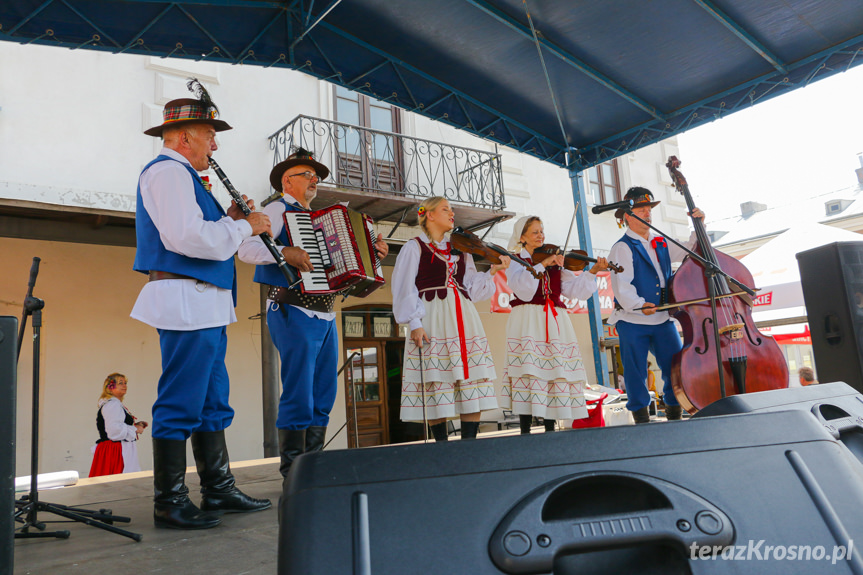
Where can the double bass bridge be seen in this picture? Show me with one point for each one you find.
(733, 331)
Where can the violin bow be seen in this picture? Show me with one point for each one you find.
(569, 233)
(682, 303)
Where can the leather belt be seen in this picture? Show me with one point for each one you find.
(156, 276)
(282, 295)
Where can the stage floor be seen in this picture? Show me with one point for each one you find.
(242, 544)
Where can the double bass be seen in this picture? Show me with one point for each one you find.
(750, 361)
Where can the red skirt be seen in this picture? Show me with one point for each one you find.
(108, 459)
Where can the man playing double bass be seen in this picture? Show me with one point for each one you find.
(646, 259)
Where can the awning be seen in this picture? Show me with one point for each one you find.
(575, 83)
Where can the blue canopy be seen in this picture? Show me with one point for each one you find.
(572, 82)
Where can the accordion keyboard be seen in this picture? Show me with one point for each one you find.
(304, 235)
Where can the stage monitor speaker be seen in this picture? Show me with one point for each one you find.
(837, 407)
(8, 372)
(659, 498)
(832, 281)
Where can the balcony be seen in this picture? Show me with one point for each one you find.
(386, 175)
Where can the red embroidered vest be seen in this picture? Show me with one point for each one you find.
(432, 274)
(554, 286)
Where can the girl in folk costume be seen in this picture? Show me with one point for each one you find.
(545, 374)
(116, 450)
(447, 352)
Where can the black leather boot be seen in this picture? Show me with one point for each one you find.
(469, 429)
(292, 444)
(439, 431)
(550, 425)
(673, 412)
(219, 490)
(315, 438)
(641, 415)
(171, 504)
(524, 422)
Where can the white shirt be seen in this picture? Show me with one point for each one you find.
(572, 286)
(253, 251)
(621, 284)
(407, 305)
(114, 415)
(167, 191)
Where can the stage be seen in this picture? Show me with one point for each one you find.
(242, 544)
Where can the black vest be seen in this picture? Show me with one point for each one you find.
(100, 424)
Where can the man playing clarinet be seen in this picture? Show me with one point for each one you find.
(186, 245)
(302, 326)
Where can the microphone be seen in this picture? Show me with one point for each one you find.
(34, 271)
(615, 206)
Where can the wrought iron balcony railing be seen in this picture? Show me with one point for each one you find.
(388, 163)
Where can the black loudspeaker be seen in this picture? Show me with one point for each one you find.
(832, 280)
(8, 371)
(658, 498)
(837, 407)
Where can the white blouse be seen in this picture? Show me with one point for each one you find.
(573, 286)
(407, 305)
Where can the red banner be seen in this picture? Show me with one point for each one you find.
(502, 295)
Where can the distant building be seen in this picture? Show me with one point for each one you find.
(758, 224)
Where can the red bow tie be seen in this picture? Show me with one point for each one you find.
(658, 242)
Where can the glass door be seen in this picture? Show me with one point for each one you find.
(367, 160)
(366, 395)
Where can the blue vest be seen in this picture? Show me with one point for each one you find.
(645, 279)
(151, 253)
(270, 274)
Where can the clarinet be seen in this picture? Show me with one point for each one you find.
(286, 270)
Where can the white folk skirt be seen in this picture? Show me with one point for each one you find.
(543, 378)
(447, 392)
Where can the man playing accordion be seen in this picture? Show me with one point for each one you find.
(302, 325)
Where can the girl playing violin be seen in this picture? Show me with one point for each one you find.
(545, 374)
(447, 352)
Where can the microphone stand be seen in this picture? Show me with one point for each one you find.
(711, 270)
(27, 508)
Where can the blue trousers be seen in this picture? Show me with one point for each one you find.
(193, 389)
(635, 341)
(309, 350)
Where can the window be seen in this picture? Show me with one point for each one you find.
(604, 182)
(364, 374)
(368, 160)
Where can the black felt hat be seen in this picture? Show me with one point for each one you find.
(299, 157)
(639, 197)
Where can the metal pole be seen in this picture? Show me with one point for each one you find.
(270, 383)
(8, 373)
(593, 310)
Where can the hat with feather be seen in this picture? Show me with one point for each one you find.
(190, 110)
(640, 197)
(299, 157)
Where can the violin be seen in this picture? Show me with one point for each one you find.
(574, 260)
(468, 242)
(749, 360)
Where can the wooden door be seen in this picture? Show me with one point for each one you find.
(367, 394)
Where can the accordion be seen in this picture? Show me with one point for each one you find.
(340, 243)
